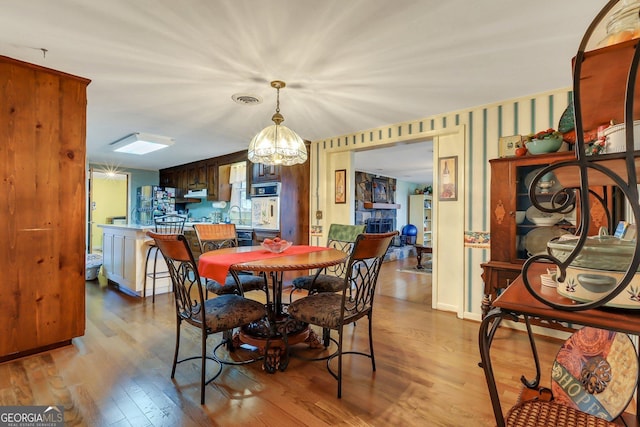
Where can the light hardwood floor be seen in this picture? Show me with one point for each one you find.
(117, 374)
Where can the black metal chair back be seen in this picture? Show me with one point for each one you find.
(170, 224)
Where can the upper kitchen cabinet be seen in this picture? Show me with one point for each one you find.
(203, 174)
(197, 176)
(212, 179)
(224, 186)
(265, 173)
(168, 178)
(43, 157)
(182, 179)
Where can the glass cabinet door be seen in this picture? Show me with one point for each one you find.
(534, 227)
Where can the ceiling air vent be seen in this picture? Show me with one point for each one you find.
(246, 99)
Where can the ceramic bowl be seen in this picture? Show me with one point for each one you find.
(277, 247)
(547, 145)
(599, 252)
(520, 217)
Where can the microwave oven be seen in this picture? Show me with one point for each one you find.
(267, 189)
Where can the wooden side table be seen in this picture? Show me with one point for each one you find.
(421, 249)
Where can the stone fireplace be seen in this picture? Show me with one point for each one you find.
(375, 202)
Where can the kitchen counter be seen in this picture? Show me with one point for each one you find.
(145, 228)
(137, 227)
(124, 253)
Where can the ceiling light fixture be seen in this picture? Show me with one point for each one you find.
(141, 143)
(277, 144)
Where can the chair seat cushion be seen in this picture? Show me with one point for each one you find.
(535, 413)
(231, 311)
(249, 283)
(324, 283)
(320, 309)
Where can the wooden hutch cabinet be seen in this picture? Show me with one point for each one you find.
(513, 235)
(43, 157)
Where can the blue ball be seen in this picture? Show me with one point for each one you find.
(409, 230)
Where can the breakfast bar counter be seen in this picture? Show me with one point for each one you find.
(123, 257)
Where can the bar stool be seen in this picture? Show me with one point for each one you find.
(167, 224)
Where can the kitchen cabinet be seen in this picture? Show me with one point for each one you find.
(266, 173)
(168, 178)
(420, 216)
(43, 157)
(197, 176)
(514, 235)
(118, 258)
(182, 179)
(264, 234)
(224, 187)
(212, 180)
(124, 254)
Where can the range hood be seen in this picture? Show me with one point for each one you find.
(198, 194)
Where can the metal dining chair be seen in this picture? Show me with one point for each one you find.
(335, 310)
(167, 224)
(330, 279)
(217, 236)
(220, 314)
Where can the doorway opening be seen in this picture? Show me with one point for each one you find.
(108, 204)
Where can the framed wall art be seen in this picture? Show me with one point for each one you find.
(380, 191)
(341, 186)
(448, 178)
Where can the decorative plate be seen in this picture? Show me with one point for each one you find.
(539, 217)
(595, 371)
(535, 241)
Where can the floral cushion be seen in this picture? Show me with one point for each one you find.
(324, 283)
(230, 311)
(249, 283)
(320, 309)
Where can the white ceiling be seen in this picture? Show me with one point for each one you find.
(170, 67)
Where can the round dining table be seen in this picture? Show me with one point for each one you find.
(277, 331)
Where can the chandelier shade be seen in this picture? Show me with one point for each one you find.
(277, 144)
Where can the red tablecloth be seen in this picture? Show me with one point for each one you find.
(216, 266)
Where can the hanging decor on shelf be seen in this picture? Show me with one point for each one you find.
(277, 144)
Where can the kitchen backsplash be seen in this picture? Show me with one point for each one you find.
(205, 209)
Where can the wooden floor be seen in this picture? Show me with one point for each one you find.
(117, 374)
